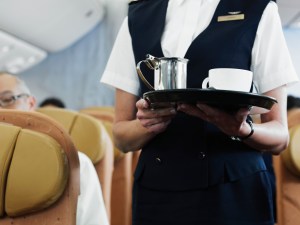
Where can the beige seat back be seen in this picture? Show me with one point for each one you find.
(291, 156)
(293, 117)
(106, 115)
(287, 170)
(122, 175)
(39, 170)
(88, 134)
(90, 137)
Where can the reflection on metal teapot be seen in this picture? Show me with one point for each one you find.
(169, 72)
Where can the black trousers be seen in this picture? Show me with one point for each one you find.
(247, 201)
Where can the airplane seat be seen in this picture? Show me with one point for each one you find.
(106, 115)
(121, 197)
(293, 116)
(39, 168)
(86, 132)
(287, 170)
(90, 137)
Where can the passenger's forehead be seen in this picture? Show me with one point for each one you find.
(7, 83)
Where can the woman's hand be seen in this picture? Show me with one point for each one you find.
(232, 124)
(136, 123)
(155, 120)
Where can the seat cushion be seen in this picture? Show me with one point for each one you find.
(37, 175)
(89, 136)
(291, 156)
(8, 137)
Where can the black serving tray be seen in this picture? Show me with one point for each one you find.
(227, 100)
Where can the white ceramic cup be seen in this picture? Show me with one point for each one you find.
(228, 79)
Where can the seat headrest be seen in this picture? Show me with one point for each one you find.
(109, 109)
(293, 116)
(102, 113)
(88, 134)
(291, 156)
(106, 115)
(34, 170)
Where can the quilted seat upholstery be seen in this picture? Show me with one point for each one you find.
(39, 168)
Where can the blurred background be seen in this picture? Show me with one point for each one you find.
(60, 47)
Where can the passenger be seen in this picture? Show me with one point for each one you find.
(293, 102)
(200, 164)
(14, 94)
(52, 102)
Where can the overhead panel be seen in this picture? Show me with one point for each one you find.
(49, 24)
(32, 28)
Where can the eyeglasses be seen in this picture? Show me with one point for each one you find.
(8, 99)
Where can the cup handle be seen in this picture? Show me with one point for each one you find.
(205, 83)
(141, 75)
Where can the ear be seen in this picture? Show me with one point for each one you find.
(32, 102)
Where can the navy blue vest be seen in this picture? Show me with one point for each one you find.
(192, 153)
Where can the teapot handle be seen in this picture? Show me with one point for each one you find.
(141, 75)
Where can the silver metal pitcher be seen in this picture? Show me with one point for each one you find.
(169, 72)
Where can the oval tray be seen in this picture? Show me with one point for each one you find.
(228, 100)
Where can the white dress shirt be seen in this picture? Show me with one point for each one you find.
(90, 207)
(185, 20)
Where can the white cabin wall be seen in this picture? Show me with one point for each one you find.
(74, 73)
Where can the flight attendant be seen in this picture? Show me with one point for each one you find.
(190, 170)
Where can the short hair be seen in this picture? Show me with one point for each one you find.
(52, 101)
(293, 102)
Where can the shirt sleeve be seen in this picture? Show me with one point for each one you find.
(120, 71)
(271, 62)
(90, 208)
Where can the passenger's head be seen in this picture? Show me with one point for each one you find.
(52, 102)
(14, 93)
(293, 102)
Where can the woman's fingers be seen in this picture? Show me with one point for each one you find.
(155, 119)
(230, 123)
(158, 127)
(192, 110)
(142, 104)
(145, 112)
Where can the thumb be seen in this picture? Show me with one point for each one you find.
(142, 104)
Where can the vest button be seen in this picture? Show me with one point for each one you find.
(158, 161)
(201, 155)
